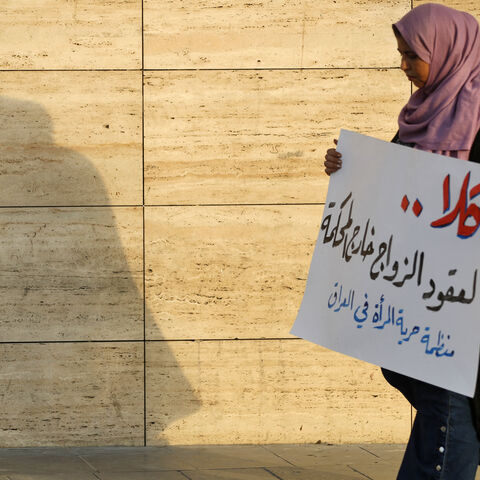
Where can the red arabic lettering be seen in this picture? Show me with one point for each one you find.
(462, 209)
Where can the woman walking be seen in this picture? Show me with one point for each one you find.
(440, 54)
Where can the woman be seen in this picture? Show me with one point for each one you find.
(440, 54)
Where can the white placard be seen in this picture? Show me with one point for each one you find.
(393, 279)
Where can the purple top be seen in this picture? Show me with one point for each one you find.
(444, 115)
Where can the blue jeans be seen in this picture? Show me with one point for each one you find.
(443, 444)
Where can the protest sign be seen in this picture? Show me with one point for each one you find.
(393, 278)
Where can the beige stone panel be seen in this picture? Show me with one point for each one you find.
(70, 34)
(70, 138)
(71, 394)
(227, 272)
(216, 137)
(470, 6)
(273, 391)
(271, 34)
(71, 274)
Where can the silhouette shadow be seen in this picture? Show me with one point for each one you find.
(71, 299)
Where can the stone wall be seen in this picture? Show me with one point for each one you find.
(161, 192)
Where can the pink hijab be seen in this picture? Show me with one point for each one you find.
(444, 115)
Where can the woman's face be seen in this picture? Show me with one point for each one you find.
(416, 69)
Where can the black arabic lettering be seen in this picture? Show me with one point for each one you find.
(429, 294)
(382, 250)
(449, 295)
(409, 275)
(350, 245)
(368, 249)
(332, 235)
(340, 239)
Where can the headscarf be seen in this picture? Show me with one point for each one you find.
(445, 113)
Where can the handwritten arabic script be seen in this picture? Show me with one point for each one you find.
(462, 210)
(355, 239)
(387, 315)
(393, 278)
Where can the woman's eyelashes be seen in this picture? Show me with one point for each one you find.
(409, 55)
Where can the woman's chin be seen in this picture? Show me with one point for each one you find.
(418, 84)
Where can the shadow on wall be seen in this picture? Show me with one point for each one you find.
(71, 299)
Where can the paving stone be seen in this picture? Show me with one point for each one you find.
(160, 475)
(230, 474)
(54, 476)
(317, 473)
(377, 470)
(17, 463)
(227, 457)
(239, 462)
(142, 459)
(381, 470)
(389, 453)
(309, 455)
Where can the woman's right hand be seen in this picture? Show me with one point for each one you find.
(333, 160)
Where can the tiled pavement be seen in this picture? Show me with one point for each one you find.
(241, 462)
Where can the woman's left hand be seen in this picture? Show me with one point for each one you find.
(333, 160)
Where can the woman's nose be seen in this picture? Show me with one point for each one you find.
(403, 64)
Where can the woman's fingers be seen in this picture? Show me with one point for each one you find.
(333, 160)
(331, 152)
(331, 167)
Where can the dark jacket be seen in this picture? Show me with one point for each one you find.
(474, 152)
(475, 401)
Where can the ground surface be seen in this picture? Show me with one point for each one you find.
(241, 462)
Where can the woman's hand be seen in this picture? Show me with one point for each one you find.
(333, 160)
